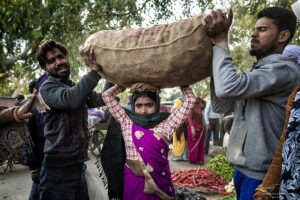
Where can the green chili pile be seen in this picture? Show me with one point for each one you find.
(221, 167)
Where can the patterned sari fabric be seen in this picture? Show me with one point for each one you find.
(290, 183)
(154, 153)
(196, 143)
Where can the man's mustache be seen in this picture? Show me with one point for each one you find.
(254, 41)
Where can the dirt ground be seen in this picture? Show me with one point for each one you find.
(16, 184)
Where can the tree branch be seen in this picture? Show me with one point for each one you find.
(10, 61)
(131, 12)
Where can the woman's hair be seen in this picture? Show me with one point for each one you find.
(182, 129)
(197, 110)
(48, 45)
(151, 95)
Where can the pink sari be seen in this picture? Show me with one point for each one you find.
(154, 152)
(196, 142)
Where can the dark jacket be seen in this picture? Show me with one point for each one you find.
(113, 157)
(35, 127)
(65, 125)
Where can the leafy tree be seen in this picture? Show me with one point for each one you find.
(25, 23)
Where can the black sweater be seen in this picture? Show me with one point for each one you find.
(65, 125)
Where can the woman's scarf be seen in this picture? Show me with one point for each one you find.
(147, 121)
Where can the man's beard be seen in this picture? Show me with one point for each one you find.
(257, 52)
(63, 75)
(263, 52)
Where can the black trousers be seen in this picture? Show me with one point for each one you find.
(214, 126)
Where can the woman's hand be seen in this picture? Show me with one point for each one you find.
(193, 131)
(150, 185)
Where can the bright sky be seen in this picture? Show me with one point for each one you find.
(178, 14)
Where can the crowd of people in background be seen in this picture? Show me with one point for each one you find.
(202, 129)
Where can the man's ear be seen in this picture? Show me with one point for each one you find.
(45, 69)
(284, 35)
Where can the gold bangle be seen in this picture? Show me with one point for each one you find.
(264, 191)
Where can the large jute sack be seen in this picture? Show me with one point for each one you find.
(168, 55)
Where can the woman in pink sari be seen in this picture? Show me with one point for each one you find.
(147, 133)
(196, 133)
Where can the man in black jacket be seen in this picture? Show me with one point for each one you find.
(65, 125)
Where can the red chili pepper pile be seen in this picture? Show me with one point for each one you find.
(201, 178)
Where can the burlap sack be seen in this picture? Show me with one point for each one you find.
(168, 55)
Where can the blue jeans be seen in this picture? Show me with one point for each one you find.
(244, 186)
(34, 193)
(64, 183)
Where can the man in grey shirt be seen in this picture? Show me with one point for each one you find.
(257, 97)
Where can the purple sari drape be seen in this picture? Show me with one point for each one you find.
(154, 152)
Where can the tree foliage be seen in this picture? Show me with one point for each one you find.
(25, 23)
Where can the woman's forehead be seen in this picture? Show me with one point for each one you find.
(144, 100)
